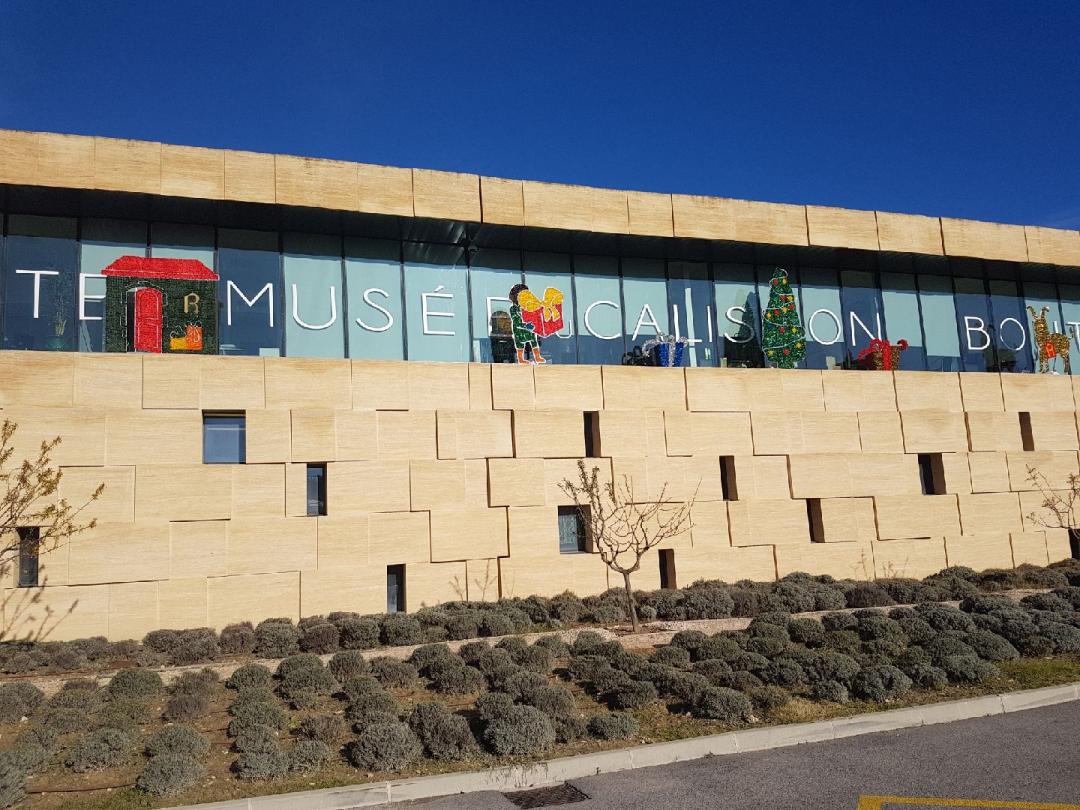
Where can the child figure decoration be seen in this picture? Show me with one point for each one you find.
(532, 318)
(782, 338)
(1050, 344)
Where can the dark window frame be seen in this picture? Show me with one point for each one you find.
(320, 494)
(29, 556)
(209, 451)
(395, 574)
(581, 544)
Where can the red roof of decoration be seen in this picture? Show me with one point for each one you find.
(141, 267)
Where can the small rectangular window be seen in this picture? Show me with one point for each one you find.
(1026, 436)
(728, 488)
(814, 519)
(316, 489)
(667, 569)
(571, 531)
(931, 474)
(395, 588)
(29, 542)
(224, 440)
(592, 434)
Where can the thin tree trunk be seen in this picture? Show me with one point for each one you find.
(630, 602)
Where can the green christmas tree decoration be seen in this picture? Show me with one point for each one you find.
(782, 336)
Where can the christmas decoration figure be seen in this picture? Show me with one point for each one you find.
(782, 336)
(881, 355)
(1050, 344)
(532, 318)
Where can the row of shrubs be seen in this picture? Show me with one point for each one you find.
(278, 638)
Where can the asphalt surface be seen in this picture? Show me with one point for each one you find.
(1031, 756)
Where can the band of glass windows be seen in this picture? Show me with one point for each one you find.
(313, 295)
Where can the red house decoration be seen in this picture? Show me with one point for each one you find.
(160, 306)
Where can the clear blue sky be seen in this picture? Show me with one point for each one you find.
(967, 109)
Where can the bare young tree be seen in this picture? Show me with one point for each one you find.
(28, 491)
(1059, 505)
(622, 528)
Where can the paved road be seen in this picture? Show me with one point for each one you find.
(1031, 756)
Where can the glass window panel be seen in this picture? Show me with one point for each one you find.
(40, 284)
(436, 302)
(1010, 327)
(373, 281)
(939, 323)
(250, 293)
(224, 439)
(103, 242)
(900, 303)
(543, 270)
(738, 312)
(313, 299)
(491, 275)
(1070, 310)
(598, 310)
(861, 301)
(1038, 294)
(977, 351)
(171, 241)
(764, 274)
(29, 547)
(822, 316)
(645, 307)
(316, 489)
(571, 531)
(691, 295)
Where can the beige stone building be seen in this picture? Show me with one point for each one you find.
(351, 479)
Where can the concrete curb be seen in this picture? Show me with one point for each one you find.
(520, 777)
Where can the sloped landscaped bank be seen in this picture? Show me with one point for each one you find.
(308, 725)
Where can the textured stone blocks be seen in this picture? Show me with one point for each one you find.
(980, 551)
(900, 516)
(701, 434)
(990, 513)
(768, 522)
(461, 534)
(474, 434)
(548, 434)
(927, 431)
(913, 558)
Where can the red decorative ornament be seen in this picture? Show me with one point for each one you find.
(881, 355)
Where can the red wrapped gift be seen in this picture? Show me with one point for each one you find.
(545, 315)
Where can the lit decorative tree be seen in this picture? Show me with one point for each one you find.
(782, 336)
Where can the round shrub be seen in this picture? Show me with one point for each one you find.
(537, 658)
(495, 624)
(319, 638)
(13, 775)
(926, 676)
(768, 697)
(316, 680)
(256, 739)
(672, 656)
(566, 608)
(86, 700)
(258, 713)
(423, 657)
(685, 686)
(102, 749)
(839, 621)
(688, 640)
(1045, 601)
(783, 671)
(444, 735)
(1042, 577)
(868, 594)
(1070, 594)
(249, 676)
(348, 664)
(943, 617)
(65, 721)
(521, 730)
(806, 631)
(178, 740)
(472, 651)
(1064, 637)
(1034, 646)
(463, 625)
(606, 678)
(385, 747)
(720, 646)
(123, 713)
(557, 702)
(296, 663)
(515, 647)
(393, 674)
(371, 704)
(184, 708)
(711, 668)
(453, 676)
(169, 774)
(559, 648)
(721, 703)
(237, 639)
(830, 691)
(880, 683)
(829, 665)
(522, 685)
(991, 647)
(968, 669)
(945, 646)
(360, 685)
(399, 629)
(707, 600)
(358, 634)
(493, 705)
(845, 641)
(587, 640)
(631, 695)
(135, 683)
(195, 683)
(307, 756)
(613, 726)
(18, 700)
(255, 767)
(748, 662)
(195, 646)
(326, 728)
(301, 699)
(276, 638)
(246, 696)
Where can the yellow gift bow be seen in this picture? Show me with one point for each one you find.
(552, 298)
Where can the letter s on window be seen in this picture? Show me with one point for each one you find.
(386, 313)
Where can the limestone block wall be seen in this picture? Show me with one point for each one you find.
(453, 471)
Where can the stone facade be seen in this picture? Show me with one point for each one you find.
(452, 471)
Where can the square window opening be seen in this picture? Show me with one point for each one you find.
(572, 537)
(395, 588)
(932, 473)
(224, 438)
(729, 490)
(814, 520)
(667, 569)
(1026, 436)
(29, 544)
(316, 489)
(592, 434)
